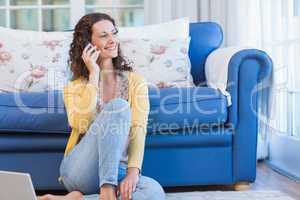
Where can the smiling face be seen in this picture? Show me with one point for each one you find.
(104, 37)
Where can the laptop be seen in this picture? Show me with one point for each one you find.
(16, 186)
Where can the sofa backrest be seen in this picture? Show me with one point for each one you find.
(205, 37)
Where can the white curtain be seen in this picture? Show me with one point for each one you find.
(227, 13)
(269, 25)
(157, 11)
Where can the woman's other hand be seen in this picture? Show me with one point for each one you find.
(128, 184)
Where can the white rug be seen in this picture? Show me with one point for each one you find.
(232, 195)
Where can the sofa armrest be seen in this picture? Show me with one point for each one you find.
(248, 70)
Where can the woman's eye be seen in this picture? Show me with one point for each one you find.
(106, 35)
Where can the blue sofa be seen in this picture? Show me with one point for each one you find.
(203, 148)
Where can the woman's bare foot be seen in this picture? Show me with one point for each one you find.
(74, 195)
(107, 192)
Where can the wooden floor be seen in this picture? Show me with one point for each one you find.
(269, 179)
(266, 179)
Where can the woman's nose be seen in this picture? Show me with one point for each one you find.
(112, 37)
(111, 40)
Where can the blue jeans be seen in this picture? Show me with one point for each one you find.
(95, 160)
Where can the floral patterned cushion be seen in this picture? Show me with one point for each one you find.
(33, 61)
(163, 62)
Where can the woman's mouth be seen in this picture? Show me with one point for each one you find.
(111, 48)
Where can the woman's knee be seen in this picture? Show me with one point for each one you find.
(151, 188)
(116, 104)
(118, 110)
(115, 108)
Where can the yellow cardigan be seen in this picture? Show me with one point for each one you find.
(80, 98)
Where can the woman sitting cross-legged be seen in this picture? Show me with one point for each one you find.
(107, 106)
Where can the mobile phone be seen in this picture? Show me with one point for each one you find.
(87, 43)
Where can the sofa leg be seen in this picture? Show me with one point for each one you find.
(241, 186)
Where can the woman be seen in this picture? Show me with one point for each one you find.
(107, 106)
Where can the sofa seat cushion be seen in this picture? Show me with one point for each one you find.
(178, 108)
(170, 109)
(39, 112)
(211, 137)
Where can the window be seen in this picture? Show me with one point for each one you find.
(42, 15)
(295, 94)
(125, 12)
(297, 8)
(61, 15)
(285, 50)
(296, 114)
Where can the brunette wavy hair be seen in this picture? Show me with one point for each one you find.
(81, 37)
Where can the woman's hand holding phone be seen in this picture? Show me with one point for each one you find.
(90, 56)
